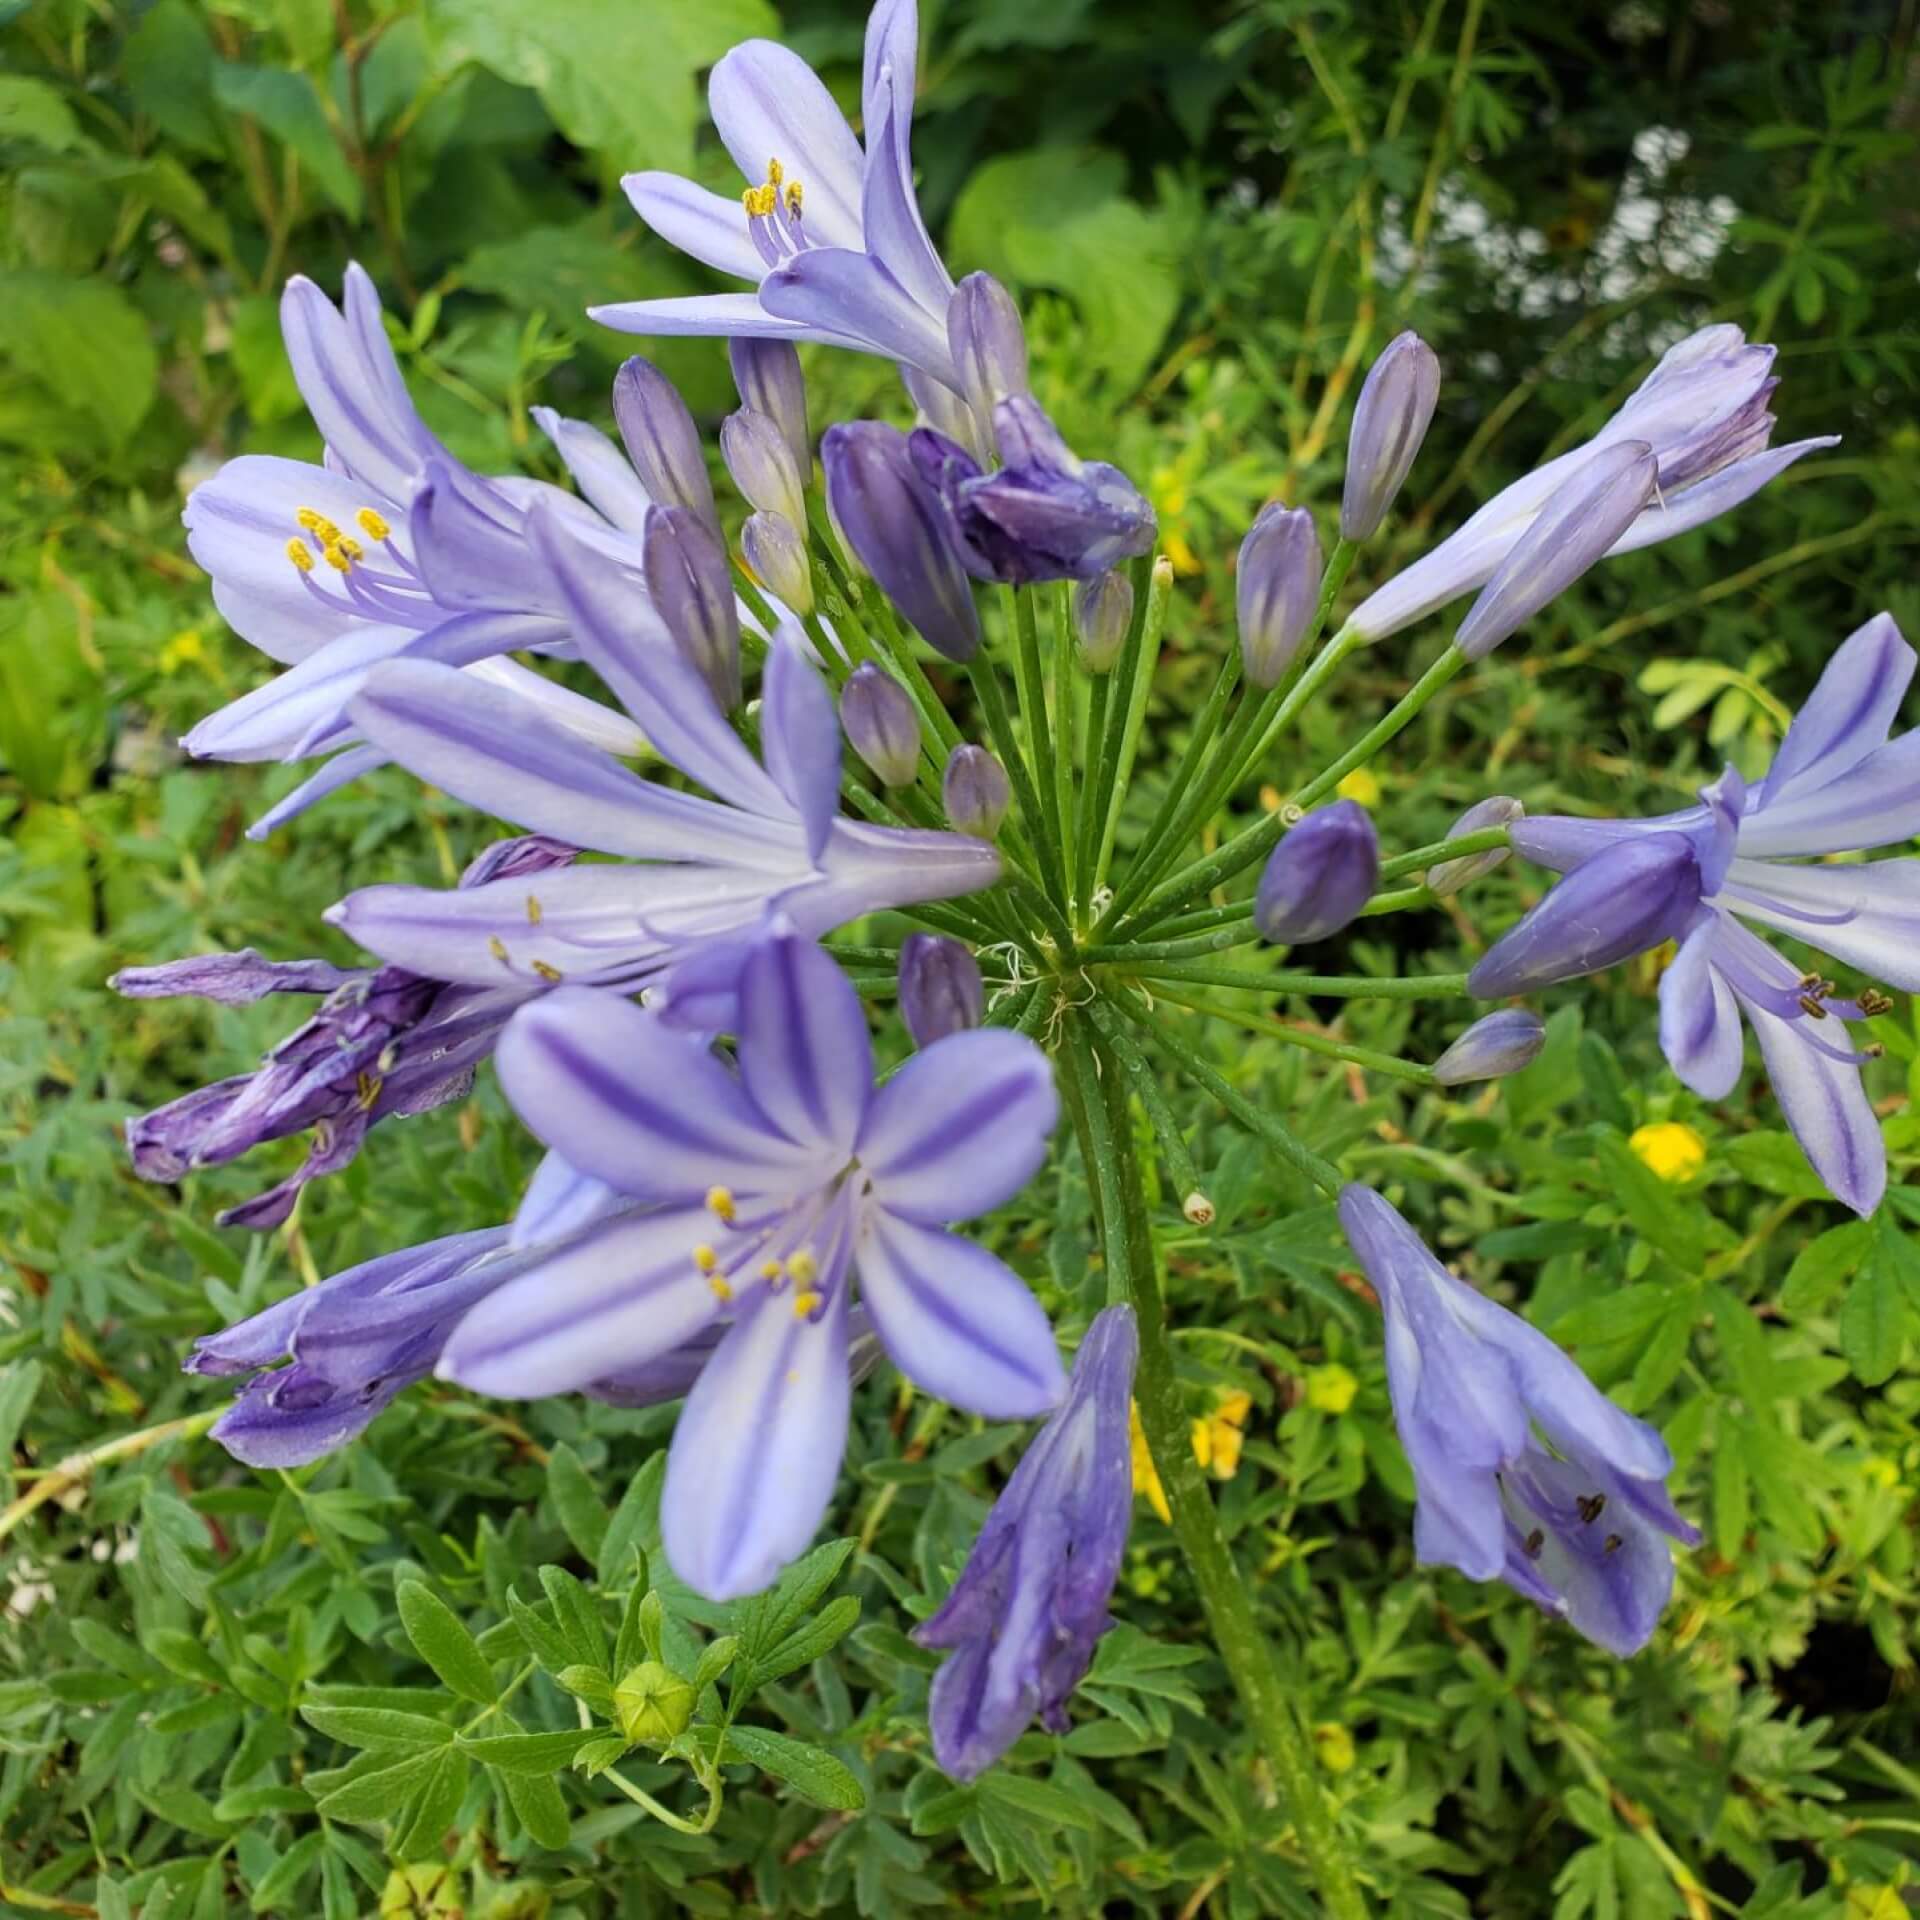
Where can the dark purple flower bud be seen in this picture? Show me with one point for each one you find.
(976, 791)
(881, 725)
(1627, 899)
(778, 557)
(767, 374)
(1583, 518)
(763, 466)
(1319, 877)
(231, 979)
(940, 987)
(510, 859)
(1501, 1043)
(691, 588)
(1277, 590)
(1102, 614)
(1451, 876)
(903, 536)
(661, 440)
(988, 343)
(1390, 420)
(1031, 1603)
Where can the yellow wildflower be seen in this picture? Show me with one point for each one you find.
(1146, 1477)
(1330, 1389)
(1674, 1152)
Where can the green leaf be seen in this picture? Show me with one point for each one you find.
(528, 1752)
(1873, 1320)
(443, 1642)
(434, 1811)
(288, 106)
(1050, 1805)
(812, 1773)
(576, 1616)
(33, 112)
(542, 1810)
(377, 1727)
(768, 1618)
(544, 1640)
(804, 1646)
(1775, 1163)
(279, 1881)
(583, 1514)
(372, 1792)
(85, 342)
(618, 76)
(1821, 1267)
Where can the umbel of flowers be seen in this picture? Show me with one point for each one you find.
(741, 1206)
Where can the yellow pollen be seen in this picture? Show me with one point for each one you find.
(705, 1258)
(804, 1267)
(338, 558)
(775, 173)
(372, 525)
(498, 948)
(369, 1091)
(307, 518)
(772, 1270)
(301, 555)
(548, 972)
(319, 526)
(721, 1291)
(720, 1203)
(804, 1304)
(533, 911)
(351, 547)
(793, 196)
(760, 201)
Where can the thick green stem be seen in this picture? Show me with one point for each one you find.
(1100, 1106)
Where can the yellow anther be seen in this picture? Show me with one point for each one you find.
(793, 196)
(351, 547)
(338, 558)
(372, 525)
(498, 948)
(309, 519)
(705, 1258)
(533, 911)
(805, 1303)
(301, 555)
(720, 1203)
(548, 972)
(721, 1291)
(318, 525)
(772, 1270)
(369, 1091)
(760, 201)
(775, 173)
(804, 1267)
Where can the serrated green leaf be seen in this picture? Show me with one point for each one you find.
(812, 1772)
(528, 1752)
(443, 1642)
(583, 1514)
(377, 1727)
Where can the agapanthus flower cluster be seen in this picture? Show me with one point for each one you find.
(746, 1205)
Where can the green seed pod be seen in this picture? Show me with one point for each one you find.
(653, 1704)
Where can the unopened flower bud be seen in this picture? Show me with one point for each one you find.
(653, 1704)
(692, 590)
(1451, 876)
(1198, 1209)
(763, 466)
(778, 557)
(988, 344)
(767, 374)
(1581, 520)
(1102, 613)
(976, 792)
(661, 440)
(1390, 420)
(1277, 590)
(880, 724)
(1319, 877)
(940, 987)
(1501, 1043)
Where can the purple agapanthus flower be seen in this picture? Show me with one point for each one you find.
(1704, 412)
(767, 1186)
(386, 1041)
(828, 232)
(1023, 1618)
(391, 548)
(695, 876)
(1524, 1470)
(1838, 785)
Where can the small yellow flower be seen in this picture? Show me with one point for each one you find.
(1674, 1152)
(1360, 785)
(1218, 1438)
(1334, 1744)
(1146, 1477)
(1330, 1389)
(1880, 1471)
(185, 649)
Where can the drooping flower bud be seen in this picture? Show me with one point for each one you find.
(976, 791)
(890, 518)
(1501, 1043)
(940, 987)
(1589, 511)
(1319, 877)
(763, 466)
(778, 557)
(1276, 590)
(988, 343)
(767, 374)
(653, 1704)
(661, 440)
(1451, 876)
(1390, 420)
(880, 724)
(1102, 613)
(692, 590)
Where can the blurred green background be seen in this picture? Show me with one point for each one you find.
(1214, 216)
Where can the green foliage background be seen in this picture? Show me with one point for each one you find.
(1215, 215)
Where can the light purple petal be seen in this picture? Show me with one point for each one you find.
(1865, 913)
(805, 1059)
(1699, 1018)
(594, 722)
(731, 315)
(639, 1105)
(961, 1127)
(1875, 803)
(337, 772)
(852, 297)
(234, 979)
(758, 1447)
(895, 233)
(1565, 841)
(600, 470)
(619, 1295)
(1720, 493)
(768, 104)
(1849, 713)
(710, 227)
(559, 1201)
(868, 868)
(1823, 1101)
(800, 737)
(958, 1322)
(270, 722)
